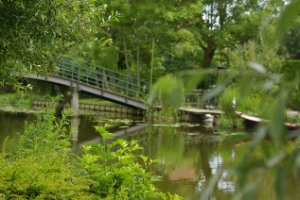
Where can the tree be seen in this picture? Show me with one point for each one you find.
(34, 34)
(187, 34)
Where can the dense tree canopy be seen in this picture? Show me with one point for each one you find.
(35, 33)
(166, 36)
(149, 37)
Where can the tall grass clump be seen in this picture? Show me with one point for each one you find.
(168, 94)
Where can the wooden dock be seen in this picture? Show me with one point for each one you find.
(200, 111)
(197, 114)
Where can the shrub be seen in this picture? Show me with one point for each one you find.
(43, 167)
(118, 170)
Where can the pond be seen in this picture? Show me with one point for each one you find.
(189, 155)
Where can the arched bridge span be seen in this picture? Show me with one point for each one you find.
(99, 81)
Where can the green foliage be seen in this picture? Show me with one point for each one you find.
(253, 83)
(291, 69)
(186, 34)
(253, 52)
(21, 101)
(16, 100)
(35, 34)
(291, 42)
(43, 137)
(167, 92)
(118, 171)
(43, 167)
(252, 170)
(287, 17)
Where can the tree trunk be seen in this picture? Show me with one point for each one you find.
(138, 67)
(127, 65)
(209, 53)
(126, 55)
(152, 63)
(67, 97)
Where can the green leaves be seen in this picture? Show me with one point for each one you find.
(41, 167)
(287, 17)
(44, 168)
(278, 118)
(35, 34)
(102, 130)
(115, 170)
(168, 92)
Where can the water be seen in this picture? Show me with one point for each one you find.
(189, 159)
(12, 124)
(189, 156)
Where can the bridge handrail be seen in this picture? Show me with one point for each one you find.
(86, 78)
(112, 77)
(103, 79)
(194, 98)
(100, 68)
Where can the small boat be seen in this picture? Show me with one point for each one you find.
(251, 122)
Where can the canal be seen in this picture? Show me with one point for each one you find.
(189, 155)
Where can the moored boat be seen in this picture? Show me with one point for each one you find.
(251, 122)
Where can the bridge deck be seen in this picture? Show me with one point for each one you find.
(106, 94)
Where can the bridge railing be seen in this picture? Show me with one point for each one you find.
(109, 72)
(194, 99)
(102, 78)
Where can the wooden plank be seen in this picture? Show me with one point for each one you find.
(200, 111)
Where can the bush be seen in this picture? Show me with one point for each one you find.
(118, 170)
(43, 167)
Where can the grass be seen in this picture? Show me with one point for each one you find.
(13, 102)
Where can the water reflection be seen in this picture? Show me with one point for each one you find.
(188, 160)
(12, 124)
(224, 182)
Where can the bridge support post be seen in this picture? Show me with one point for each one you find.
(75, 114)
(75, 102)
(75, 121)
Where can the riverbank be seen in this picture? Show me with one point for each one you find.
(30, 103)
